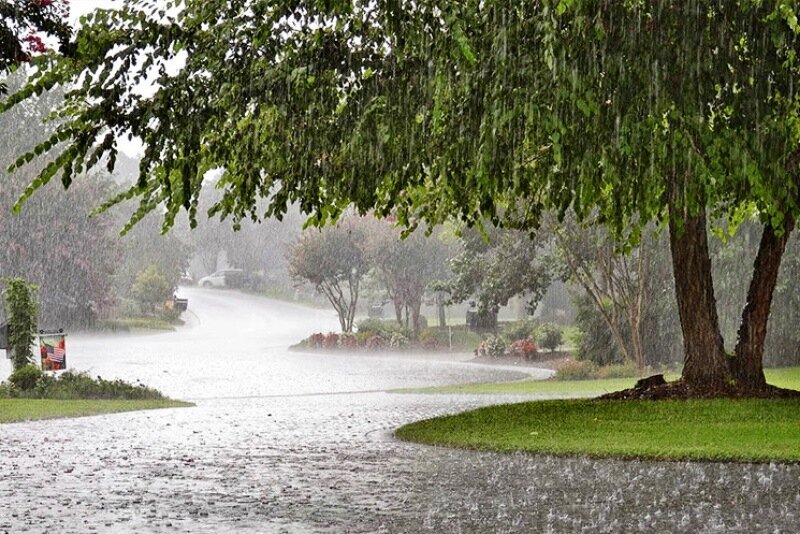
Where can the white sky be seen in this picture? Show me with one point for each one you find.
(82, 7)
(78, 8)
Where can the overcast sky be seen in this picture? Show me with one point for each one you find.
(81, 7)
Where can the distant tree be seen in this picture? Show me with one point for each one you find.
(406, 266)
(53, 242)
(502, 264)
(22, 314)
(143, 247)
(333, 261)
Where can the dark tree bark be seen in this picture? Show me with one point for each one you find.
(706, 366)
(747, 366)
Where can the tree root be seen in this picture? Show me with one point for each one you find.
(655, 388)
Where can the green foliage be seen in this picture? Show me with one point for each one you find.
(333, 261)
(26, 26)
(518, 330)
(25, 378)
(22, 311)
(508, 264)
(34, 384)
(385, 329)
(597, 344)
(549, 336)
(151, 289)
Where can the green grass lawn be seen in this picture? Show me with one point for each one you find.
(720, 429)
(788, 377)
(13, 410)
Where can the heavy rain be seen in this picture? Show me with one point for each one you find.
(299, 267)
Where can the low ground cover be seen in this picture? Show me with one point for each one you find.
(717, 429)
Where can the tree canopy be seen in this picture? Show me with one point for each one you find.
(630, 111)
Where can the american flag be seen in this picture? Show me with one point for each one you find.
(55, 354)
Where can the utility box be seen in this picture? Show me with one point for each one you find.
(180, 304)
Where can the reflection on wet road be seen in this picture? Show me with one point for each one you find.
(290, 442)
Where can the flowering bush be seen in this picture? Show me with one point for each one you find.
(331, 340)
(398, 341)
(491, 347)
(376, 343)
(524, 348)
(316, 341)
(348, 341)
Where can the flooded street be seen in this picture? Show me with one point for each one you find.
(283, 441)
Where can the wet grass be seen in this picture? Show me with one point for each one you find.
(715, 430)
(14, 410)
(787, 377)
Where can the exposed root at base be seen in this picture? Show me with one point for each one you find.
(655, 388)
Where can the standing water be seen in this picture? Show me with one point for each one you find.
(283, 441)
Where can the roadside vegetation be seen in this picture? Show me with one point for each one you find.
(30, 393)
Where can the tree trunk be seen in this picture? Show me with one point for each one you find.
(705, 366)
(748, 365)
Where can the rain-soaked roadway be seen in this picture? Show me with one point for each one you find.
(289, 442)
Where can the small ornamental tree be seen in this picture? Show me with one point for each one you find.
(26, 25)
(22, 311)
(333, 260)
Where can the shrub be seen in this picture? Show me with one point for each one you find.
(151, 289)
(26, 377)
(70, 385)
(331, 340)
(398, 341)
(316, 341)
(376, 343)
(518, 330)
(578, 370)
(550, 336)
(385, 329)
(524, 348)
(491, 347)
(348, 341)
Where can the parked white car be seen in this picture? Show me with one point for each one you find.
(217, 279)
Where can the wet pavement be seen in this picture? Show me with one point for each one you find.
(291, 442)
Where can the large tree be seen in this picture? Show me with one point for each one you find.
(633, 110)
